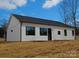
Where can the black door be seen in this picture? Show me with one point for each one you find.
(49, 34)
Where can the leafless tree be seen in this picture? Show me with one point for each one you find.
(69, 10)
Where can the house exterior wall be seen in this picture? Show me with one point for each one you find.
(14, 26)
(54, 31)
(16, 35)
(36, 37)
(62, 37)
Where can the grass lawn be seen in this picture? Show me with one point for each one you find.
(39, 49)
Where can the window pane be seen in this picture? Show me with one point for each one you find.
(11, 30)
(43, 31)
(30, 30)
(59, 32)
(65, 32)
(72, 32)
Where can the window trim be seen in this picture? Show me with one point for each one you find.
(65, 32)
(43, 34)
(12, 31)
(73, 33)
(32, 28)
(59, 32)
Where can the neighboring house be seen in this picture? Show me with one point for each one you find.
(23, 28)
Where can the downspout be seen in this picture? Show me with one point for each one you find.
(20, 31)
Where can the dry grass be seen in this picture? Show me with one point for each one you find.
(40, 49)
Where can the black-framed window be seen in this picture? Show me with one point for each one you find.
(73, 33)
(59, 32)
(30, 30)
(65, 32)
(43, 31)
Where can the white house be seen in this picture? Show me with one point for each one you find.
(24, 28)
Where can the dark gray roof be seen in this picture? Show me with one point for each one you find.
(27, 19)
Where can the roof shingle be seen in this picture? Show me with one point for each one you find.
(27, 19)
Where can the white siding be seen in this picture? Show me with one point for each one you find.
(69, 35)
(61, 36)
(15, 26)
(55, 35)
(37, 36)
(15, 35)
